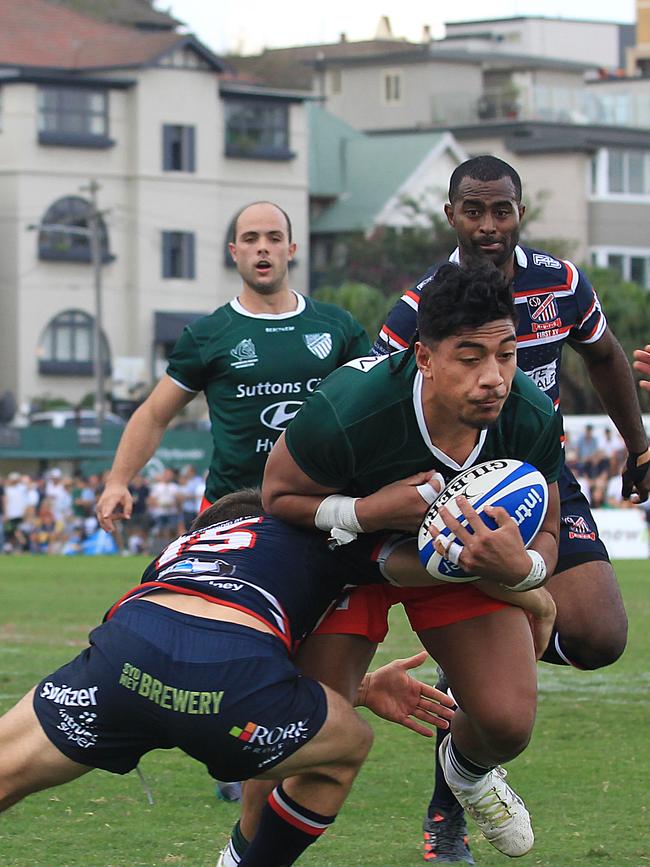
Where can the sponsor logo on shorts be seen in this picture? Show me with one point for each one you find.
(255, 734)
(169, 697)
(68, 696)
(319, 345)
(245, 353)
(578, 527)
(78, 730)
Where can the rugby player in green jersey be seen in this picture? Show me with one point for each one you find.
(458, 400)
(256, 359)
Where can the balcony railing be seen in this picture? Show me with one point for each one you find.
(559, 105)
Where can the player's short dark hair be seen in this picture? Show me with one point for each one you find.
(246, 503)
(233, 233)
(483, 168)
(460, 298)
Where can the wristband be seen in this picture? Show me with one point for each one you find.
(336, 515)
(535, 577)
(634, 472)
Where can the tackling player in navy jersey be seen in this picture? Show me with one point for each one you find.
(556, 305)
(196, 657)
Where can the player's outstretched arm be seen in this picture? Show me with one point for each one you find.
(138, 443)
(611, 375)
(391, 693)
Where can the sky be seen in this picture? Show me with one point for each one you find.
(224, 27)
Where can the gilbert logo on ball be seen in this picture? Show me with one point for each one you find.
(514, 485)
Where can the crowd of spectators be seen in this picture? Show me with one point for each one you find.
(55, 513)
(597, 460)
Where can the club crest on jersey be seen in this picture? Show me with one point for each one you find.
(319, 345)
(245, 353)
(578, 527)
(546, 261)
(543, 312)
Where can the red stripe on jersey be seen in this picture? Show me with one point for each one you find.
(414, 296)
(162, 585)
(294, 819)
(573, 271)
(392, 336)
(594, 329)
(543, 290)
(540, 337)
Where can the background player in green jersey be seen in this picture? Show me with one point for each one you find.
(256, 359)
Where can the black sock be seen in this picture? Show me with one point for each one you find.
(443, 799)
(554, 653)
(465, 768)
(286, 830)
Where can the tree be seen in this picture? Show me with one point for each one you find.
(627, 307)
(394, 258)
(367, 304)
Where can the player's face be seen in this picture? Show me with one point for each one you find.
(486, 217)
(467, 377)
(262, 250)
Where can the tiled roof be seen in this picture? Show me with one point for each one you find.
(130, 13)
(34, 33)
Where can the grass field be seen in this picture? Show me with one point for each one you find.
(584, 777)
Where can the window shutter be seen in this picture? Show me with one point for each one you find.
(190, 269)
(166, 255)
(190, 160)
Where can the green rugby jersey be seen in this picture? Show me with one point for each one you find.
(364, 428)
(256, 370)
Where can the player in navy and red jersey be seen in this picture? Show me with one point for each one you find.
(196, 657)
(556, 305)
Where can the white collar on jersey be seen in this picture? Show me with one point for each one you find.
(520, 256)
(300, 306)
(436, 452)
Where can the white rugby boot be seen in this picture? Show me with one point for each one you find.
(495, 807)
(228, 857)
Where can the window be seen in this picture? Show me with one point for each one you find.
(64, 235)
(257, 129)
(392, 88)
(178, 148)
(67, 346)
(73, 116)
(631, 263)
(178, 255)
(621, 172)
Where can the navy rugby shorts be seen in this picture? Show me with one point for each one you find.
(579, 539)
(154, 678)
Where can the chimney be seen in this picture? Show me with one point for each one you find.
(384, 30)
(426, 34)
(343, 37)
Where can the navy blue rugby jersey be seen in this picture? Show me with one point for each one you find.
(555, 303)
(284, 576)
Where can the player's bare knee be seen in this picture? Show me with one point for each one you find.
(507, 735)
(595, 651)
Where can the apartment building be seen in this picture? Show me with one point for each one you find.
(175, 149)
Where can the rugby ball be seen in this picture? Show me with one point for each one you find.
(514, 485)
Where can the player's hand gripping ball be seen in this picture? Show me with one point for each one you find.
(514, 485)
